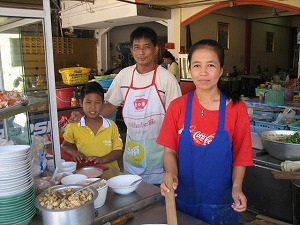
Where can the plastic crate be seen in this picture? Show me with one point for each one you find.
(295, 126)
(75, 75)
(270, 125)
(296, 98)
(256, 129)
(270, 114)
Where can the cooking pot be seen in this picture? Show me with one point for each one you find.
(82, 215)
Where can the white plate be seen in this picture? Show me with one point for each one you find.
(13, 151)
(11, 176)
(10, 168)
(14, 189)
(17, 183)
(18, 191)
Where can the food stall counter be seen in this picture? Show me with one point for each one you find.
(146, 201)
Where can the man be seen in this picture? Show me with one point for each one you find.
(145, 90)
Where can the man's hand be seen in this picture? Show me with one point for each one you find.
(75, 116)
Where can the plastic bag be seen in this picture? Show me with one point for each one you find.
(38, 154)
(287, 115)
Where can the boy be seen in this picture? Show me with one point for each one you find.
(95, 138)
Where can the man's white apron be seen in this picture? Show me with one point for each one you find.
(143, 114)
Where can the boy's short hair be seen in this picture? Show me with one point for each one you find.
(92, 88)
(144, 32)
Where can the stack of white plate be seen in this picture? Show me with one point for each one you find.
(16, 185)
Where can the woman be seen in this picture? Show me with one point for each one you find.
(207, 142)
(169, 59)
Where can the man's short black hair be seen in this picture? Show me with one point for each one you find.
(144, 32)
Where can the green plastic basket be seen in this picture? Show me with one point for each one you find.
(295, 126)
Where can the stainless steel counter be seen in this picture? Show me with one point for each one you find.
(265, 194)
(156, 214)
(146, 203)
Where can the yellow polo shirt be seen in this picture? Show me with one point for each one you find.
(106, 140)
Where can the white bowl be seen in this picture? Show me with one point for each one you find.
(50, 164)
(68, 166)
(120, 184)
(73, 179)
(102, 191)
(59, 176)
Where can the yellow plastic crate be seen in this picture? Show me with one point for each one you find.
(75, 75)
(296, 98)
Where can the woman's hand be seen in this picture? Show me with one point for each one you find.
(164, 189)
(75, 116)
(240, 201)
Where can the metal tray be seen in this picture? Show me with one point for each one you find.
(14, 107)
(89, 169)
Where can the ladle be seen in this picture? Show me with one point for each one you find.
(60, 195)
(135, 182)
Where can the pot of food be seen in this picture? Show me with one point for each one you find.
(282, 144)
(76, 210)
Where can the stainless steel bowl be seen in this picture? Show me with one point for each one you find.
(277, 149)
(82, 215)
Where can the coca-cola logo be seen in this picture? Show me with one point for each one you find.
(140, 103)
(202, 138)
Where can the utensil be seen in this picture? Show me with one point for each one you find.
(135, 182)
(60, 195)
(286, 175)
(52, 180)
(170, 201)
(120, 219)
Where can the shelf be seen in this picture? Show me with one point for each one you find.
(33, 104)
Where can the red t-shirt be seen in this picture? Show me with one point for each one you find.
(204, 124)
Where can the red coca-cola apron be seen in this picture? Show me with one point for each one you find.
(143, 113)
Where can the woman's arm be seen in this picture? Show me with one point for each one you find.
(170, 166)
(240, 200)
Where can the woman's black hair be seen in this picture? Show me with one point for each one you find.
(219, 50)
(144, 32)
(92, 88)
(168, 55)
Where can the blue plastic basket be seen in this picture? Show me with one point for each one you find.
(105, 83)
(270, 125)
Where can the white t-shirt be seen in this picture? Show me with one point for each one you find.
(166, 83)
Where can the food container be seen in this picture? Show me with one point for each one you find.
(82, 215)
(101, 187)
(278, 149)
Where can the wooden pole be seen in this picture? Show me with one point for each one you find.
(170, 201)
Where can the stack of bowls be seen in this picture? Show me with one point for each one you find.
(69, 166)
(16, 185)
